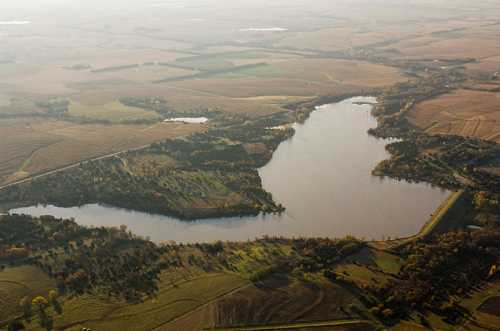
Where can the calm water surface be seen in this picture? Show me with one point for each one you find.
(193, 120)
(321, 175)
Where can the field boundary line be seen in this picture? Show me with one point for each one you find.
(73, 165)
(203, 305)
(291, 326)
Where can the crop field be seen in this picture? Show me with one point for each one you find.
(191, 301)
(255, 87)
(339, 38)
(489, 65)
(36, 147)
(483, 305)
(455, 48)
(115, 112)
(174, 299)
(491, 306)
(335, 325)
(98, 65)
(282, 300)
(145, 73)
(355, 73)
(230, 59)
(17, 283)
(19, 144)
(456, 40)
(464, 112)
(18, 105)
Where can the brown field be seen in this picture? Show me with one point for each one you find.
(489, 65)
(18, 282)
(145, 74)
(338, 38)
(456, 40)
(407, 326)
(484, 311)
(186, 98)
(491, 306)
(298, 77)
(252, 87)
(33, 147)
(19, 104)
(355, 73)
(455, 49)
(281, 301)
(464, 112)
(41, 59)
(17, 145)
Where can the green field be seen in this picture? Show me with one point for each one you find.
(17, 283)
(263, 71)
(114, 112)
(177, 296)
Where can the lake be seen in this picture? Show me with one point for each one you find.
(322, 175)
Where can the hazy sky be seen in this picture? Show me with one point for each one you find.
(44, 5)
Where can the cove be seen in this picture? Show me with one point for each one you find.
(322, 175)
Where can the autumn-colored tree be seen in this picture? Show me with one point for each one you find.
(40, 302)
(388, 313)
(480, 200)
(53, 295)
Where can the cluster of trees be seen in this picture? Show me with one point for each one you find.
(183, 192)
(83, 259)
(396, 101)
(447, 161)
(54, 107)
(319, 254)
(224, 148)
(487, 201)
(208, 168)
(59, 108)
(161, 107)
(38, 306)
(114, 262)
(450, 264)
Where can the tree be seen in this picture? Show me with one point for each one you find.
(53, 295)
(387, 313)
(15, 326)
(40, 302)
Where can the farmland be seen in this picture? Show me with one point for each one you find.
(78, 89)
(33, 147)
(115, 112)
(469, 113)
(101, 119)
(310, 283)
(232, 70)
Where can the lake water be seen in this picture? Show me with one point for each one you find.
(191, 120)
(322, 176)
